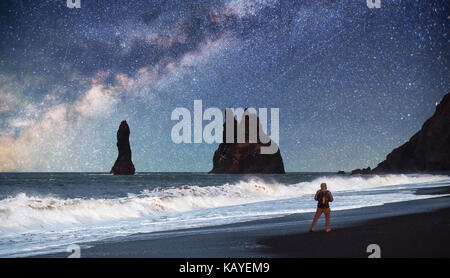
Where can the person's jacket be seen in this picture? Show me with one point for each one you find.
(323, 197)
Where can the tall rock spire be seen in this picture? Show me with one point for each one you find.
(123, 165)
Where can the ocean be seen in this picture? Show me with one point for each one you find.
(46, 212)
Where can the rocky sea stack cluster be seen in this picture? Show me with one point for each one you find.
(246, 157)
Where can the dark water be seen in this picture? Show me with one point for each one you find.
(45, 212)
(103, 185)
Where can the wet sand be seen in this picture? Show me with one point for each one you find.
(418, 228)
(419, 235)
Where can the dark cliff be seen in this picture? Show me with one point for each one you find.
(428, 150)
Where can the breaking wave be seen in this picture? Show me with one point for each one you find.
(23, 210)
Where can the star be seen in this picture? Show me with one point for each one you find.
(351, 83)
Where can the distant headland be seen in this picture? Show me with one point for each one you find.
(427, 151)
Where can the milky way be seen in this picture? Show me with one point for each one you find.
(351, 83)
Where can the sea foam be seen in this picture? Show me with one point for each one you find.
(23, 210)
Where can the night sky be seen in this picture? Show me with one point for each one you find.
(351, 83)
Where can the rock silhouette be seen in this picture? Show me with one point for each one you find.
(361, 171)
(236, 158)
(123, 164)
(428, 151)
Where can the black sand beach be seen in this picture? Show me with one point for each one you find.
(421, 235)
(417, 228)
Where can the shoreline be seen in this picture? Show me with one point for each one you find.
(286, 236)
(415, 235)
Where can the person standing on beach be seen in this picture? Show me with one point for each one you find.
(323, 197)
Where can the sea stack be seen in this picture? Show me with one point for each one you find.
(246, 157)
(428, 151)
(123, 165)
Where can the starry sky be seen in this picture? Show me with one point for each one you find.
(351, 83)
